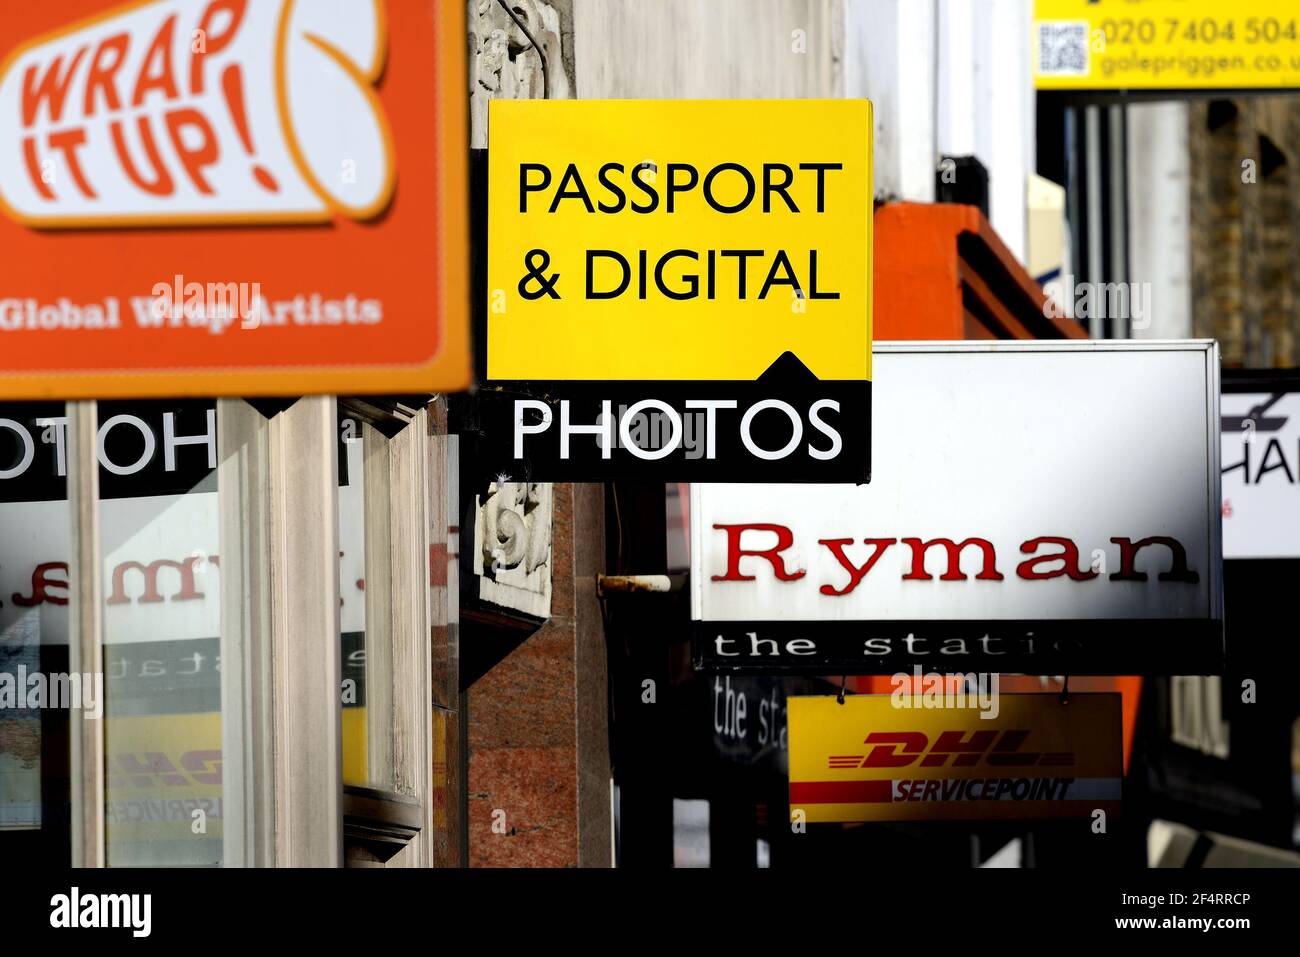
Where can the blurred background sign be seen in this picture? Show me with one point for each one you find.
(1261, 464)
(1166, 45)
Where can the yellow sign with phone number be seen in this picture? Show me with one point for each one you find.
(1166, 45)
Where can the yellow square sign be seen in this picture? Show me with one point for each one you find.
(679, 290)
(678, 239)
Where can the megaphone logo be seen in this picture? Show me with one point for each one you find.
(199, 112)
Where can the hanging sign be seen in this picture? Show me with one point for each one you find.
(1261, 465)
(893, 758)
(1166, 45)
(208, 198)
(1056, 511)
(680, 289)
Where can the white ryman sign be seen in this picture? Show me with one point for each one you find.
(1048, 504)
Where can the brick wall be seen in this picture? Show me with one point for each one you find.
(1245, 237)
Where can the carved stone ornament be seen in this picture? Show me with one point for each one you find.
(504, 62)
(512, 547)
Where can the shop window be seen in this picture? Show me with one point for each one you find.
(384, 631)
(161, 582)
(365, 584)
(190, 554)
(35, 605)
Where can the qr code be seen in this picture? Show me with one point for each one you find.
(1063, 48)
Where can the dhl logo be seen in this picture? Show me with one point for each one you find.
(899, 749)
(156, 769)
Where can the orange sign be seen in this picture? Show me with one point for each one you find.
(232, 197)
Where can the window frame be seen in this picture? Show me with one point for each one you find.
(392, 825)
(284, 799)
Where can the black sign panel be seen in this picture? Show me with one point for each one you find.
(787, 426)
(145, 448)
(1085, 646)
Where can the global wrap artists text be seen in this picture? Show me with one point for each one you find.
(214, 306)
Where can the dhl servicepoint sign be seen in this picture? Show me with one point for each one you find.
(1035, 756)
(1165, 44)
(232, 197)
